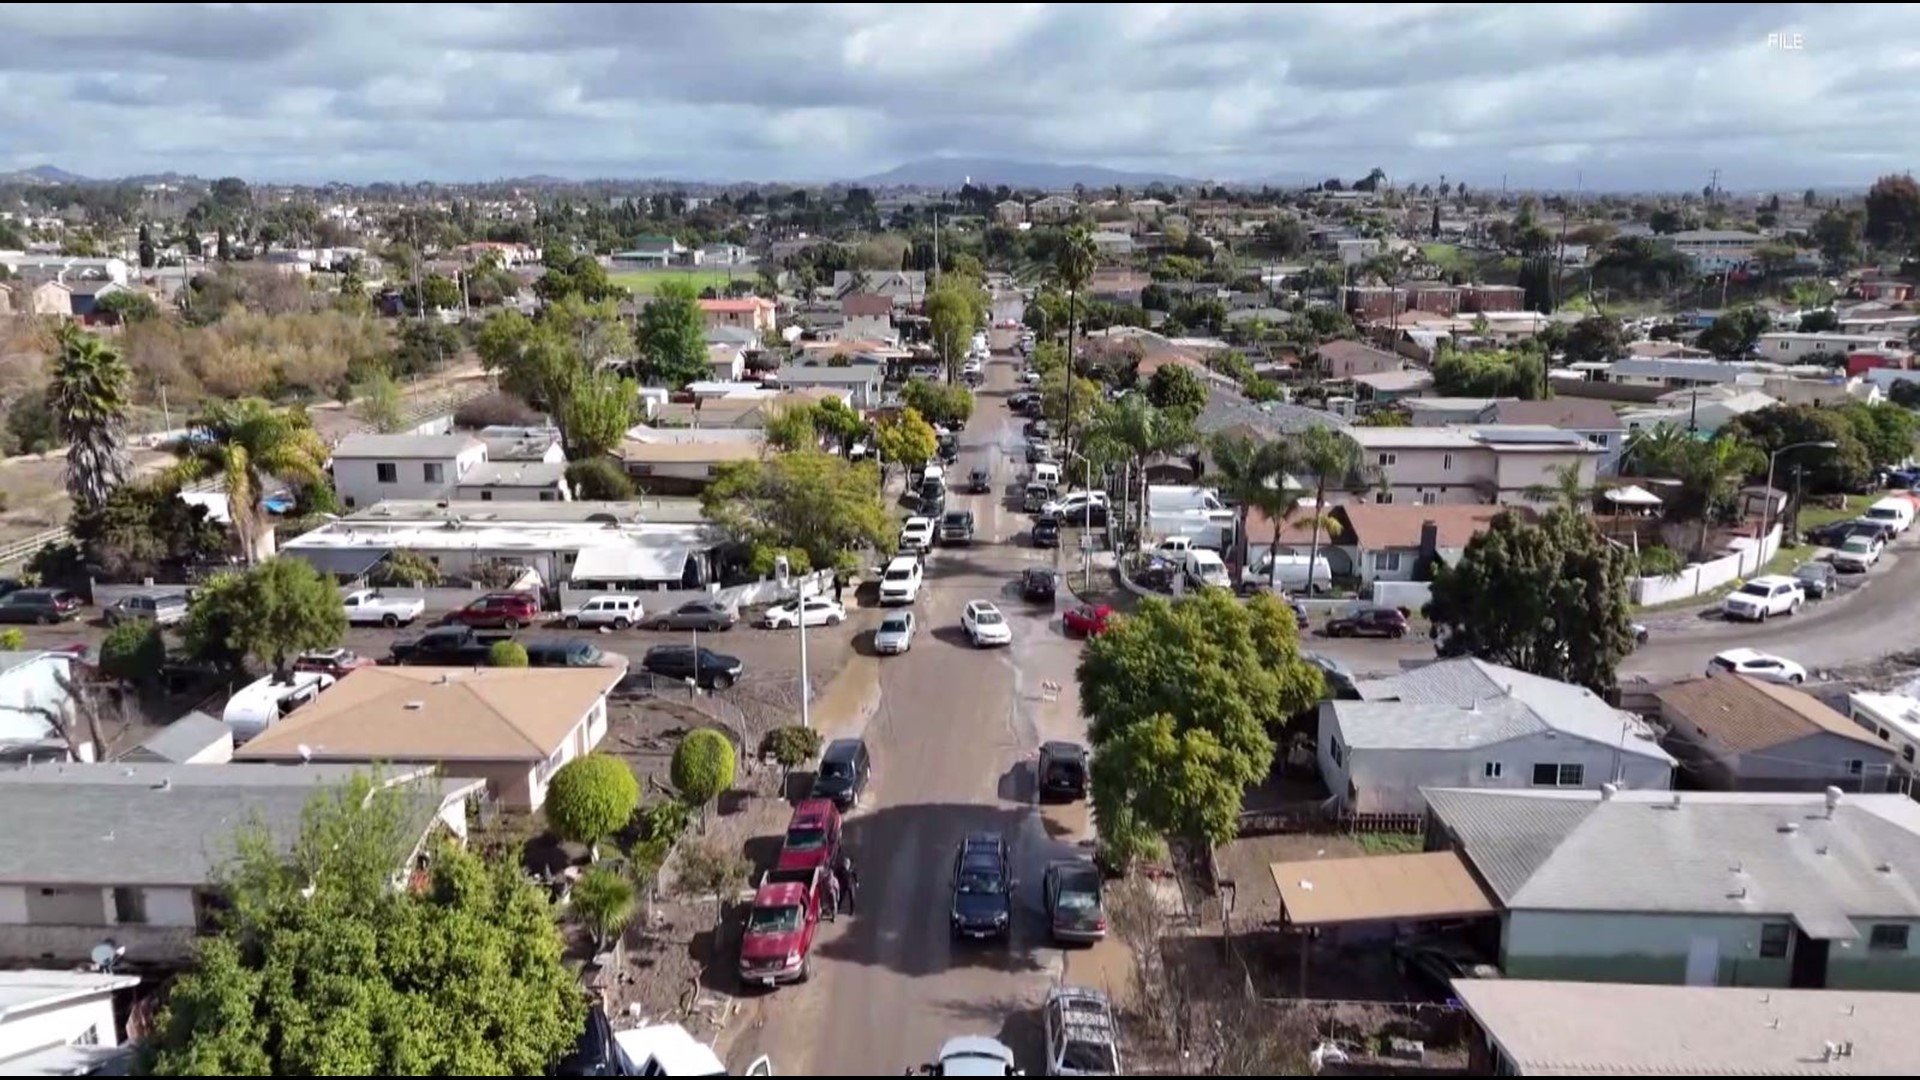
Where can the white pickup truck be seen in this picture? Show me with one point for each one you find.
(367, 607)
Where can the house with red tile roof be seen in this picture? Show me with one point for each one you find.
(748, 313)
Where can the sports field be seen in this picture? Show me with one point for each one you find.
(646, 282)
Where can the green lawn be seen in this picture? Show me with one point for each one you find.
(1783, 562)
(1444, 256)
(1390, 843)
(1812, 517)
(647, 282)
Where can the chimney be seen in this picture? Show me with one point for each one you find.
(1833, 800)
(1608, 791)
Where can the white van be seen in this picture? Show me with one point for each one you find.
(1203, 567)
(900, 584)
(1291, 573)
(1894, 511)
(613, 610)
(258, 705)
(1046, 472)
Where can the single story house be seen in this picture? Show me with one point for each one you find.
(1741, 734)
(1703, 888)
(1390, 542)
(50, 298)
(867, 315)
(194, 739)
(862, 381)
(133, 852)
(1470, 724)
(728, 361)
(903, 287)
(511, 727)
(683, 461)
(62, 1023)
(1445, 411)
(1345, 359)
(372, 468)
(508, 481)
(1387, 387)
(509, 442)
(755, 313)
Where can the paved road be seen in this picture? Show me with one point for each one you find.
(953, 741)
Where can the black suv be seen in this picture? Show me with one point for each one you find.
(1037, 584)
(933, 499)
(982, 887)
(715, 671)
(1063, 771)
(1045, 531)
(980, 482)
(843, 773)
(957, 527)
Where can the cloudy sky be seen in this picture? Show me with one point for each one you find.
(1620, 95)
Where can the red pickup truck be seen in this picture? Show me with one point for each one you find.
(777, 946)
(813, 836)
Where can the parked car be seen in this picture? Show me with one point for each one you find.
(1857, 555)
(1061, 772)
(957, 527)
(1038, 584)
(709, 669)
(1071, 891)
(776, 945)
(498, 611)
(572, 653)
(895, 634)
(1082, 1037)
(1768, 594)
(259, 705)
(812, 838)
(844, 770)
(820, 611)
(985, 625)
(371, 607)
(900, 581)
(447, 646)
(1369, 622)
(982, 887)
(334, 662)
(1087, 620)
(1338, 677)
(916, 535)
(708, 615)
(970, 1055)
(160, 608)
(617, 610)
(980, 482)
(1759, 665)
(1435, 967)
(1045, 532)
(1817, 579)
(43, 606)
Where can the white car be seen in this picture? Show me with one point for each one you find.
(614, 609)
(1769, 594)
(895, 635)
(1752, 662)
(900, 581)
(985, 625)
(368, 607)
(1082, 1038)
(1856, 554)
(1076, 506)
(1030, 377)
(821, 611)
(972, 1055)
(917, 534)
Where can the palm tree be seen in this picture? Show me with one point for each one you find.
(88, 399)
(1132, 430)
(1710, 475)
(1073, 264)
(1255, 474)
(1656, 450)
(248, 441)
(1329, 457)
(1569, 491)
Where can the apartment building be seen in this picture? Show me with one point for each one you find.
(1490, 463)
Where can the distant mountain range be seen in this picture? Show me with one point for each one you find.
(43, 174)
(951, 172)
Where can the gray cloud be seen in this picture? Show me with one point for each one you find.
(1622, 95)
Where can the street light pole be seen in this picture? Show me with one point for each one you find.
(783, 574)
(1766, 508)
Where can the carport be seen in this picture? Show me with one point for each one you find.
(1377, 893)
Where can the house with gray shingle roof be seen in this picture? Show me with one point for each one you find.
(1809, 891)
(1470, 724)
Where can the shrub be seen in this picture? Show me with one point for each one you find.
(132, 652)
(591, 797)
(599, 478)
(12, 639)
(707, 869)
(406, 568)
(507, 654)
(496, 574)
(604, 900)
(493, 409)
(792, 746)
(30, 424)
(702, 766)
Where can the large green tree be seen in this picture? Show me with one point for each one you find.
(1178, 388)
(269, 612)
(88, 396)
(940, 403)
(591, 798)
(1843, 468)
(1549, 598)
(321, 967)
(953, 314)
(905, 438)
(1130, 431)
(673, 338)
(1893, 214)
(598, 413)
(1074, 260)
(1734, 333)
(247, 443)
(818, 502)
(1184, 701)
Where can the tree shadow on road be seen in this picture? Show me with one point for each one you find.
(1015, 1022)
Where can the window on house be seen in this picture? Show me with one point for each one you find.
(1546, 775)
(1389, 459)
(1386, 562)
(1428, 498)
(1493, 770)
(1906, 752)
(1855, 766)
(1386, 498)
(387, 472)
(547, 496)
(1446, 462)
(1600, 439)
(1572, 775)
(1774, 938)
(1335, 751)
(1885, 735)
(433, 472)
(486, 495)
(1553, 774)
(129, 906)
(1888, 937)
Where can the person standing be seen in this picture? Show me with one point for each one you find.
(847, 882)
(833, 896)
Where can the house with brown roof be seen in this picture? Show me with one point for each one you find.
(867, 315)
(1594, 419)
(1389, 542)
(1345, 359)
(682, 462)
(512, 727)
(1735, 733)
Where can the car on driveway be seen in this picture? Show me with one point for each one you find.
(708, 615)
(820, 611)
(985, 625)
(709, 669)
(1857, 555)
(1075, 911)
(43, 606)
(1817, 579)
(1087, 620)
(1760, 597)
(1082, 1038)
(159, 608)
(1369, 622)
(1752, 662)
(895, 635)
(982, 887)
(1038, 585)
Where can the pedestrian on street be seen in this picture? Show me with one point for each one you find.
(833, 897)
(839, 582)
(847, 880)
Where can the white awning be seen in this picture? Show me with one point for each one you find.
(631, 562)
(1632, 495)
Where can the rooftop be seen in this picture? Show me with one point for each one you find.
(1745, 854)
(405, 446)
(1615, 1029)
(1355, 351)
(1459, 704)
(507, 527)
(1377, 888)
(179, 741)
(1228, 411)
(138, 824)
(527, 474)
(1396, 382)
(1566, 413)
(803, 374)
(1375, 525)
(1743, 714)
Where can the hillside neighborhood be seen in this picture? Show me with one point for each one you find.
(1375, 626)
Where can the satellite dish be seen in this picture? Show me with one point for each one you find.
(105, 954)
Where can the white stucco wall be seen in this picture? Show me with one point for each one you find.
(13, 905)
(1389, 781)
(170, 907)
(62, 1026)
(30, 687)
(358, 479)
